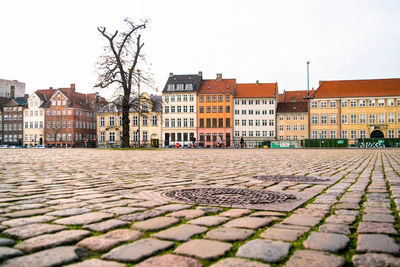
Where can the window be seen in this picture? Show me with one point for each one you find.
(208, 109)
(172, 122)
(333, 134)
(287, 127)
(322, 104)
(258, 123)
(288, 117)
(178, 109)
(381, 102)
(227, 109)
(201, 109)
(201, 99)
(353, 134)
(271, 112)
(154, 120)
(237, 122)
(250, 122)
(172, 109)
(185, 98)
(371, 102)
(135, 121)
(120, 120)
(166, 108)
(294, 127)
(214, 109)
(236, 133)
(391, 133)
(185, 109)
(295, 117)
(202, 123)
(221, 123)
(237, 112)
(344, 134)
(214, 123)
(353, 118)
(271, 133)
(111, 121)
(324, 119)
(26, 125)
(208, 123)
(220, 109)
(390, 102)
(333, 118)
(314, 119)
(363, 134)
(344, 104)
(314, 104)
(243, 122)
(314, 134)
(144, 119)
(208, 98)
(381, 118)
(324, 134)
(185, 123)
(172, 98)
(166, 122)
(227, 122)
(244, 112)
(271, 101)
(227, 98)
(302, 127)
(281, 137)
(166, 98)
(208, 137)
(281, 128)
(398, 117)
(191, 97)
(102, 121)
(353, 103)
(302, 117)
(191, 121)
(362, 103)
(372, 118)
(390, 117)
(144, 136)
(363, 118)
(214, 98)
(332, 104)
(111, 136)
(191, 109)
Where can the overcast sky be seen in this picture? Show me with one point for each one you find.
(55, 43)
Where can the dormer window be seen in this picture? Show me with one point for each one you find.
(180, 86)
(189, 86)
(64, 103)
(58, 103)
(171, 87)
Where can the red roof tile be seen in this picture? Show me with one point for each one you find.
(358, 88)
(295, 96)
(225, 86)
(256, 90)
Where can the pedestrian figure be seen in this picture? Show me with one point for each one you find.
(220, 142)
(242, 142)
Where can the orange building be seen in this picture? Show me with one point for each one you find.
(215, 111)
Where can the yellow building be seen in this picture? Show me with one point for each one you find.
(356, 109)
(292, 118)
(109, 124)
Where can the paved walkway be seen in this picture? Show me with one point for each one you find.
(112, 208)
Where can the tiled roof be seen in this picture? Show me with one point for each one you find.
(194, 79)
(358, 88)
(224, 86)
(286, 107)
(280, 97)
(295, 96)
(256, 90)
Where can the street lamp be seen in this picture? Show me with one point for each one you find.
(308, 100)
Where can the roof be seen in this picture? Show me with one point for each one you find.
(286, 107)
(194, 79)
(295, 96)
(45, 95)
(115, 105)
(223, 86)
(280, 97)
(358, 88)
(256, 90)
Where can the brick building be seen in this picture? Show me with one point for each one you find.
(71, 118)
(12, 117)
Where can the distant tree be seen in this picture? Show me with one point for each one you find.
(118, 67)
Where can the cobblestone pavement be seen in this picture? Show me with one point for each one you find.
(119, 208)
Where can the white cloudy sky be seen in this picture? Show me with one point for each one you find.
(55, 43)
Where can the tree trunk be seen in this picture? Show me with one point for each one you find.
(125, 122)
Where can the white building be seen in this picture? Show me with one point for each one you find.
(34, 117)
(11, 89)
(179, 103)
(254, 116)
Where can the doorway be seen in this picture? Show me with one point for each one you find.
(377, 134)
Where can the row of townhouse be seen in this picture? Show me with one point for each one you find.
(54, 117)
(209, 110)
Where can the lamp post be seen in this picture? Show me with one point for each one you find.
(139, 107)
(308, 100)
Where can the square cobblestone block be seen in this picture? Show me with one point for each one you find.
(203, 249)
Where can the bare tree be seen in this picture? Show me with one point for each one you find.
(117, 67)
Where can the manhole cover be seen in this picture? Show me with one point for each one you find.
(229, 196)
(290, 178)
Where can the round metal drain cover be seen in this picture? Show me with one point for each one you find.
(229, 196)
(290, 178)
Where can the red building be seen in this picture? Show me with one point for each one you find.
(71, 118)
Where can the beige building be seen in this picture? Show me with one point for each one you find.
(356, 109)
(109, 123)
(292, 119)
(34, 117)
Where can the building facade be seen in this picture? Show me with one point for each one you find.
(70, 118)
(179, 102)
(254, 113)
(356, 109)
(13, 121)
(34, 117)
(11, 88)
(215, 111)
(292, 120)
(144, 127)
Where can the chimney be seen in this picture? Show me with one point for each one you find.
(51, 88)
(72, 87)
(12, 91)
(171, 74)
(320, 82)
(200, 73)
(257, 82)
(219, 77)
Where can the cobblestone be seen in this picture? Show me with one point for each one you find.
(50, 198)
